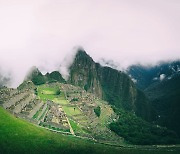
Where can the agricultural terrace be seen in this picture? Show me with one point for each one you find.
(72, 111)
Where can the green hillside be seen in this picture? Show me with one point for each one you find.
(163, 95)
(19, 136)
(137, 131)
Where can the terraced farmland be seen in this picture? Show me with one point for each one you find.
(63, 108)
(71, 112)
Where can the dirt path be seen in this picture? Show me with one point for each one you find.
(71, 130)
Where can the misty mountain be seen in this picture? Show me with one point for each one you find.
(54, 76)
(109, 84)
(38, 78)
(161, 84)
(145, 76)
(4, 80)
(106, 83)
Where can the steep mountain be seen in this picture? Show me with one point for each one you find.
(161, 84)
(107, 83)
(84, 74)
(165, 102)
(55, 76)
(147, 75)
(38, 78)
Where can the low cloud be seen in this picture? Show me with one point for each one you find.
(41, 33)
(162, 77)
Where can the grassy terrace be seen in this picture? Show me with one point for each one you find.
(51, 94)
(19, 136)
(47, 93)
(76, 127)
(71, 111)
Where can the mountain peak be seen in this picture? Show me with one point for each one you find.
(33, 71)
(82, 57)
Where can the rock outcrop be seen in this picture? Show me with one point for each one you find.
(109, 84)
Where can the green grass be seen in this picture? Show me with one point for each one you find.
(43, 114)
(76, 127)
(50, 93)
(37, 114)
(60, 101)
(70, 110)
(19, 136)
(47, 93)
(105, 114)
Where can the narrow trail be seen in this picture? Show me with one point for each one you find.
(71, 130)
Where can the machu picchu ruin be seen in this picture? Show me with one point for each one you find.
(71, 111)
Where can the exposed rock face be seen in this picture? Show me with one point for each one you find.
(83, 73)
(107, 83)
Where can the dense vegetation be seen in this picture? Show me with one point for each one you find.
(164, 95)
(54, 76)
(74, 100)
(97, 111)
(38, 78)
(137, 131)
(165, 102)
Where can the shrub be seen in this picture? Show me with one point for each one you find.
(97, 111)
(58, 92)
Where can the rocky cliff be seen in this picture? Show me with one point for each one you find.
(107, 83)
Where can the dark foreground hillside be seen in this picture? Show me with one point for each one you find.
(19, 136)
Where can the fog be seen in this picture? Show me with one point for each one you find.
(43, 33)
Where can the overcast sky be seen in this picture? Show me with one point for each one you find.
(42, 32)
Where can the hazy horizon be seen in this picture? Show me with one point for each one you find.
(42, 33)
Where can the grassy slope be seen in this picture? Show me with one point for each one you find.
(46, 93)
(19, 136)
